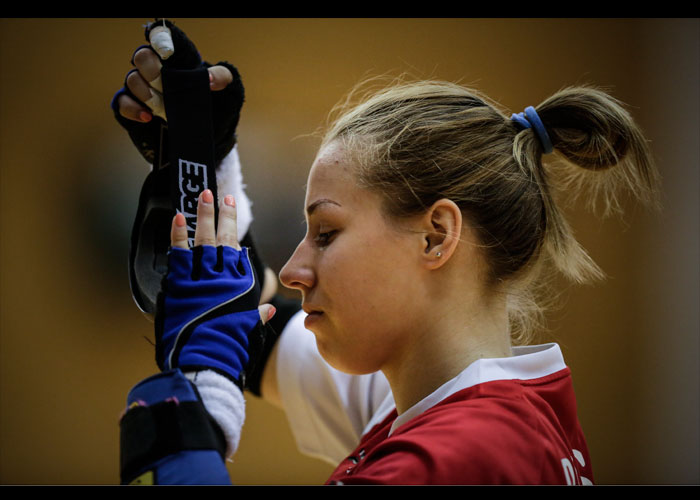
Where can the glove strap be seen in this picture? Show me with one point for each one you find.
(187, 98)
(175, 184)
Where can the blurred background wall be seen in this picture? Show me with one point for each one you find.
(72, 342)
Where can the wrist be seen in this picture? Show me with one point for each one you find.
(224, 401)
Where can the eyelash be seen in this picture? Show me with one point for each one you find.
(324, 239)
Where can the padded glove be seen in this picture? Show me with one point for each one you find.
(151, 138)
(207, 313)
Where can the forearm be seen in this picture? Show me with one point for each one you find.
(262, 381)
(168, 436)
(270, 386)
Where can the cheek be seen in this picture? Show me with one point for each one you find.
(355, 275)
(370, 272)
(371, 308)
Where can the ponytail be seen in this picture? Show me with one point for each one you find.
(605, 155)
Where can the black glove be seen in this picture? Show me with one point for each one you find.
(202, 131)
(151, 138)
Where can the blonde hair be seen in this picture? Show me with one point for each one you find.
(418, 142)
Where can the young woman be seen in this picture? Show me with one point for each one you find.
(433, 220)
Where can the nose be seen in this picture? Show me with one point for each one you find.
(298, 273)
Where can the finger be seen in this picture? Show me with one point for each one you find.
(205, 234)
(133, 110)
(148, 65)
(267, 312)
(162, 41)
(219, 77)
(146, 94)
(138, 86)
(227, 232)
(178, 232)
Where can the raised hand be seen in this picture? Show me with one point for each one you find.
(208, 315)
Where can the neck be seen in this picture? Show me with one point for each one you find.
(444, 346)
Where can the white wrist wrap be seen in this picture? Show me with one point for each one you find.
(224, 402)
(229, 180)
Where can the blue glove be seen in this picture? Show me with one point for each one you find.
(207, 313)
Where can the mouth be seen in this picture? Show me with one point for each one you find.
(312, 315)
(311, 310)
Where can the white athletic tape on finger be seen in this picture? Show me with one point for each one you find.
(156, 104)
(157, 84)
(162, 41)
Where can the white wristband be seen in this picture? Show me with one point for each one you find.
(225, 403)
(229, 180)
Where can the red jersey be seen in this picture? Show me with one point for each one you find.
(498, 432)
(505, 420)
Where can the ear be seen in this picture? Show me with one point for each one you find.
(442, 225)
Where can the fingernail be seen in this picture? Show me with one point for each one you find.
(228, 199)
(207, 196)
(145, 116)
(271, 312)
(180, 220)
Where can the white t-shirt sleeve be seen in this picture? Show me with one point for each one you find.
(328, 410)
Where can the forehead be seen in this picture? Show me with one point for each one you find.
(331, 175)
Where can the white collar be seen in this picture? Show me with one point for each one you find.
(527, 363)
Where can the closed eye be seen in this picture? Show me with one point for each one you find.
(324, 239)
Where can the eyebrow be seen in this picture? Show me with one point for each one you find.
(313, 206)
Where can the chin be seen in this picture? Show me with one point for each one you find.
(342, 361)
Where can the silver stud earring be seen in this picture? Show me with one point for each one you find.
(438, 255)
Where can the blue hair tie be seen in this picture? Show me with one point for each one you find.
(530, 119)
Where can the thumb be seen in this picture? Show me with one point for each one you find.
(219, 77)
(267, 311)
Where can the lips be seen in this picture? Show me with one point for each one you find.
(311, 309)
(312, 315)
